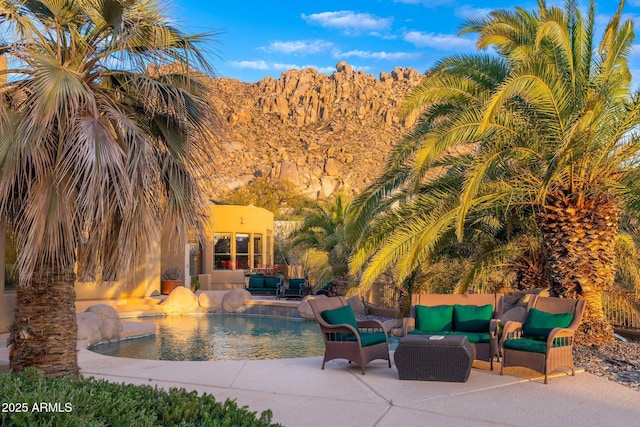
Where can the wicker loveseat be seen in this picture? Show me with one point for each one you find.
(475, 316)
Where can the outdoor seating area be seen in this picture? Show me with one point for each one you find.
(446, 333)
(475, 316)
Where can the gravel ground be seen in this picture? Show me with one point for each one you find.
(617, 361)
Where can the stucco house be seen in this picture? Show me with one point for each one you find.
(238, 239)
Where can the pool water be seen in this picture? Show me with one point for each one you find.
(221, 337)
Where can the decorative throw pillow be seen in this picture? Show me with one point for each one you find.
(340, 316)
(437, 318)
(472, 318)
(539, 323)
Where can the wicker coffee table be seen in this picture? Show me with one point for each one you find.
(422, 357)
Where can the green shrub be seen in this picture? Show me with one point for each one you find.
(30, 400)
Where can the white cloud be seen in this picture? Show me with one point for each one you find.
(277, 66)
(388, 56)
(254, 65)
(298, 47)
(439, 41)
(349, 21)
(427, 3)
(468, 12)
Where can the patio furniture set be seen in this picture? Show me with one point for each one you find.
(444, 334)
(278, 286)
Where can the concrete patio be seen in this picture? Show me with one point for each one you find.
(301, 394)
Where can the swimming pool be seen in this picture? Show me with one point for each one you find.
(221, 337)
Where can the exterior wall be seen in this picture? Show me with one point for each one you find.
(7, 298)
(7, 307)
(145, 282)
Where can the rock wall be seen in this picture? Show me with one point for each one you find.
(321, 133)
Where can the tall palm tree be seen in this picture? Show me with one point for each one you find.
(100, 121)
(322, 229)
(550, 136)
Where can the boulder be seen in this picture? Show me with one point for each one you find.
(235, 300)
(110, 324)
(393, 327)
(304, 309)
(181, 301)
(517, 314)
(211, 300)
(356, 305)
(89, 327)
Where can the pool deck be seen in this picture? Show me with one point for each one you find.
(301, 394)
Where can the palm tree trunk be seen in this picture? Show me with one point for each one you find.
(579, 239)
(44, 332)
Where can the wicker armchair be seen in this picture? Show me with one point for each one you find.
(357, 341)
(544, 342)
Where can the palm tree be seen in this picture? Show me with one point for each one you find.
(545, 131)
(322, 230)
(99, 128)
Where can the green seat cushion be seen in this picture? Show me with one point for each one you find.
(437, 318)
(539, 323)
(372, 338)
(296, 283)
(271, 282)
(474, 337)
(526, 344)
(472, 318)
(256, 282)
(340, 316)
(419, 332)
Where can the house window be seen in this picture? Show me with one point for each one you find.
(242, 251)
(257, 250)
(222, 251)
(269, 257)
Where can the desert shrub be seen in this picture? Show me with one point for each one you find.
(30, 399)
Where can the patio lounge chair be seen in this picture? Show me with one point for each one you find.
(544, 342)
(347, 338)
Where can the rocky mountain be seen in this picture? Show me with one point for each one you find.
(321, 133)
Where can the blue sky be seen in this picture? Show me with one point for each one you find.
(265, 38)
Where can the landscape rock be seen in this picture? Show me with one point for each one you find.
(516, 314)
(304, 309)
(89, 327)
(235, 300)
(181, 301)
(110, 324)
(211, 300)
(357, 305)
(393, 327)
